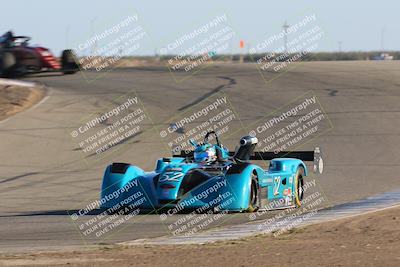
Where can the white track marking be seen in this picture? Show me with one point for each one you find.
(359, 207)
(16, 82)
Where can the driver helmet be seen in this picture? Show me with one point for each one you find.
(205, 153)
(8, 38)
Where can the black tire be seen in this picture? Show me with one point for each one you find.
(253, 198)
(299, 185)
(8, 64)
(68, 62)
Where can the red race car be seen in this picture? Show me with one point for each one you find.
(18, 58)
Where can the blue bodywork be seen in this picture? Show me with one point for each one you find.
(178, 183)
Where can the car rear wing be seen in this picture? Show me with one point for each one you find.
(314, 156)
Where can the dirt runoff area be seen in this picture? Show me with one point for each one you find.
(14, 99)
(371, 239)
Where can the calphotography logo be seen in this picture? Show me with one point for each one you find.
(213, 210)
(110, 128)
(292, 125)
(215, 113)
(196, 49)
(103, 217)
(294, 43)
(110, 44)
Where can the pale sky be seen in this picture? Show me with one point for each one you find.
(358, 25)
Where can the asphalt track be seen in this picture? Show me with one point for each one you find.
(43, 175)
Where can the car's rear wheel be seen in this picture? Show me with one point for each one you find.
(253, 198)
(68, 62)
(8, 64)
(299, 186)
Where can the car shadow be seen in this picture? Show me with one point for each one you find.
(71, 213)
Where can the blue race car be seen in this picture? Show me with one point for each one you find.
(210, 178)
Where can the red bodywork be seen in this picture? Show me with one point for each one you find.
(21, 58)
(33, 57)
(47, 59)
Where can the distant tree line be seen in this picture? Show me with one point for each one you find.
(320, 56)
(317, 56)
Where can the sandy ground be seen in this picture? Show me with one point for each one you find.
(14, 99)
(368, 240)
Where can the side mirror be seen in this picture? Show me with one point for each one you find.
(318, 161)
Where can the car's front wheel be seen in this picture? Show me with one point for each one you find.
(8, 64)
(68, 62)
